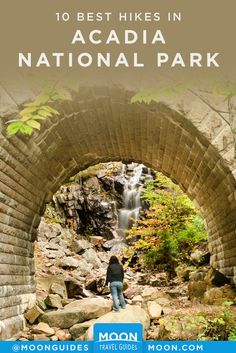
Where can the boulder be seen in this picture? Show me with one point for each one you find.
(54, 338)
(79, 246)
(40, 337)
(198, 275)
(93, 184)
(196, 289)
(163, 301)
(73, 287)
(132, 314)
(70, 262)
(137, 299)
(83, 269)
(161, 279)
(96, 240)
(104, 257)
(150, 293)
(200, 257)
(154, 309)
(132, 291)
(109, 244)
(184, 272)
(143, 279)
(79, 329)
(91, 257)
(53, 301)
(52, 246)
(96, 307)
(33, 314)
(54, 254)
(219, 295)
(216, 278)
(76, 312)
(48, 230)
(41, 304)
(45, 284)
(118, 248)
(59, 289)
(63, 335)
(42, 327)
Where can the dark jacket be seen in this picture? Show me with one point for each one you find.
(115, 273)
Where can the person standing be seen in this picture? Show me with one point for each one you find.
(115, 276)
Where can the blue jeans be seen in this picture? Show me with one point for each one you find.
(117, 295)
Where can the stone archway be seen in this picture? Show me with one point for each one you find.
(100, 125)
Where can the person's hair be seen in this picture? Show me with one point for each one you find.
(113, 260)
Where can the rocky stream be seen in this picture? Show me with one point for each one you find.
(83, 226)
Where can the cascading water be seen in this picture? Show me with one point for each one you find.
(134, 180)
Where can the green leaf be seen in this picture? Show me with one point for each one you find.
(44, 113)
(26, 130)
(28, 110)
(37, 117)
(34, 124)
(50, 110)
(14, 127)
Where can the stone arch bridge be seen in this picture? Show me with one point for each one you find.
(184, 139)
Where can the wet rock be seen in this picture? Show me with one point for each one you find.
(43, 328)
(33, 314)
(53, 301)
(131, 314)
(79, 329)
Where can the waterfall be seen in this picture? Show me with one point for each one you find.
(134, 180)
